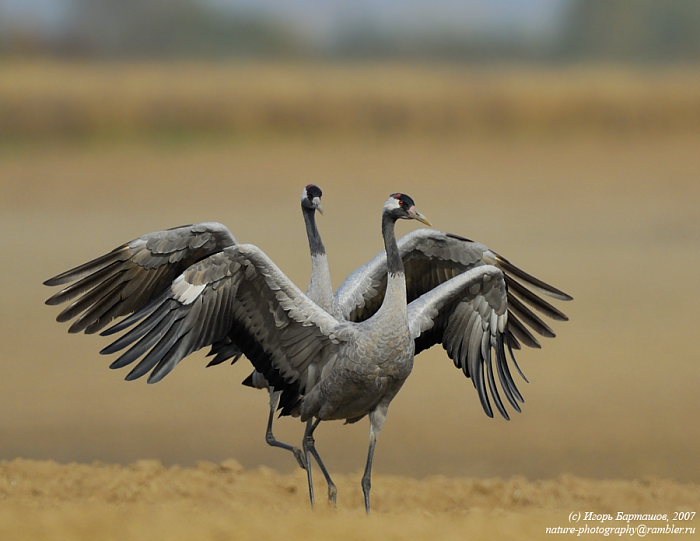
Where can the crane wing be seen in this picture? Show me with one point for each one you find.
(127, 278)
(239, 294)
(431, 258)
(468, 315)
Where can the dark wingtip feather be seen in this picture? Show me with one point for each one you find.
(509, 387)
(529, 318)
(136, 316)
(516, 327)
(111, 348)
(517, 366)
(131, 376)
(118, 363)
(494, 390)
(248, 382)
(121, 325)
(480, 385)
(515, 288)
(61, 279)
(550, 290)
(157, 375)
(165, 366)
(77, 326)
(86, 268)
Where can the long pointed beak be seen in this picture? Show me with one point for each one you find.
(317, 204)
(413, 213)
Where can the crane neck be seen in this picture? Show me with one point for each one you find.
(320, 288)
(394, 304)
(315, 243)
(393, 258)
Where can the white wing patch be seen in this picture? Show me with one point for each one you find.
(185, 292)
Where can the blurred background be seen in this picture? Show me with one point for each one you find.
(562, 133)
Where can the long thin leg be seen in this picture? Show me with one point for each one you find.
(376, 420)
(270, 437)
(307, 451)
(310, 449)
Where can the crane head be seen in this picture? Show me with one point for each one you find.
(401, 206)
(311, 197)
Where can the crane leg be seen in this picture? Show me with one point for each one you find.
(270, 437)
(376, 420)
(310, 450)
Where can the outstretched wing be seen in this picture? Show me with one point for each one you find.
(237, 294)
(468, 316)
(127, 278)
(431, 258)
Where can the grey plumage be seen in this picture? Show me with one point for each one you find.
(432, 258)
(350, 359)
(131, 275)
(341, 369)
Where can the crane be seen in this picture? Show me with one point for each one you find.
(430, 258)
(340, 369)
(445, 296)
(131, 275)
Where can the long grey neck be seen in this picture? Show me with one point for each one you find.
(315, 243)
(393, 258)
(394, 304)
(320, 288)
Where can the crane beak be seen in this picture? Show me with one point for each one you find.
(317, 204)
(413, 213)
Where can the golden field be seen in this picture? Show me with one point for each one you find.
(77, 100)
(145, 500)
(607, 214)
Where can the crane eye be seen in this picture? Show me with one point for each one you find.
(400, 199)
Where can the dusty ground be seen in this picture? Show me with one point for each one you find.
(610, 421)
(145, 500)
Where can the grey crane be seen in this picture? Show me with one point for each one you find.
(340, 369)
(320, 290)
(432, 260)
(433, 257)
(131, 275)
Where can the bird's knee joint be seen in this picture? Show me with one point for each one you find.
(366, 484)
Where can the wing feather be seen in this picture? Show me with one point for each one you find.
(507, 381)
(533, 300)
(521, 333)
(130, 276)
(545, 288)
(431, 258)
(91, 297)
(529, 318)
(237, 296)
(469, 316)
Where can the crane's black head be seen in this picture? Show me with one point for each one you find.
(311, 197)
(401, 206)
